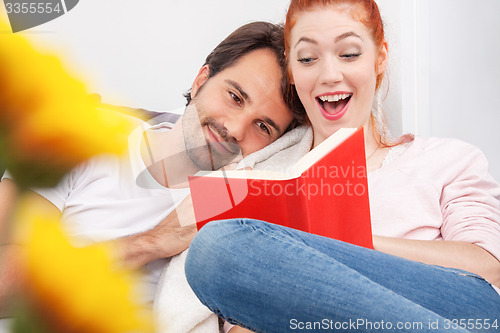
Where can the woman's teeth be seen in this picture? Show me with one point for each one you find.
(333, 98)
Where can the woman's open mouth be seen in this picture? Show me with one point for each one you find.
(334, 106)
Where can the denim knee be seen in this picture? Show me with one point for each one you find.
(207, 256)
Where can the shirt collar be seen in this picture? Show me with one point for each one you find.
(139, 170)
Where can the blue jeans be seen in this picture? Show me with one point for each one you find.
(273, 279)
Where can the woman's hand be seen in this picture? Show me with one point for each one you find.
(238, 329)
(454, 254)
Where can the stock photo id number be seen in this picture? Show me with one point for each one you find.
(25, 15)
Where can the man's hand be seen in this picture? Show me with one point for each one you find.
(172, 236)
(8, 196)
(11, 277)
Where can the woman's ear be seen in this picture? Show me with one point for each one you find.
(383, 58)
(199, 80)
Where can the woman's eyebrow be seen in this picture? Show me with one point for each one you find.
(337, 39)
(347, 35)
(306, 39)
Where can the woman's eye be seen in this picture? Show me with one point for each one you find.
(263, 127)
(235, 98)
(306, 60)
(350, 56)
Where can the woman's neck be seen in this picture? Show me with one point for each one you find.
(375, 150)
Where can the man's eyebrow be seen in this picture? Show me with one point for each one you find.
(274, 125)
(236, 86)
(337, 39)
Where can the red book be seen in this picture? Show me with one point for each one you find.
(324, 193)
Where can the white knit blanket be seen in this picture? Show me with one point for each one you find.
(177, 309)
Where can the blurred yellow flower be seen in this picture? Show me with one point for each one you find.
(48, 123)
(77, 290)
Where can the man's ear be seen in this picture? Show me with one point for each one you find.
(383, 58)
(200, 79)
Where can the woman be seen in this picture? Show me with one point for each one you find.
(435, 211)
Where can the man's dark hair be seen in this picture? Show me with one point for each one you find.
(247, 38)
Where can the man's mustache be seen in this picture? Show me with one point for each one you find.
(223, 133)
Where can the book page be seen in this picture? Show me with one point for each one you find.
(321, 150)
(303, 164)
(245, 174)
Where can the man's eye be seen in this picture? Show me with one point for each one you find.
(235, 98)
(263, 127)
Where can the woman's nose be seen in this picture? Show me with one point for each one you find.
(330, 72)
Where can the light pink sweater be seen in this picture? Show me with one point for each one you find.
(437, 189)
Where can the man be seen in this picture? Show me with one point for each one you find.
(235, 107)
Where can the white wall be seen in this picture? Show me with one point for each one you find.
(465, 74)
(450, 72)
(444, 70)
(146, 53)
(391, 91)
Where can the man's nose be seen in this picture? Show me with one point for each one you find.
(237, 126)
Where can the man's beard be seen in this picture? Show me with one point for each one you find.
(202, 153)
